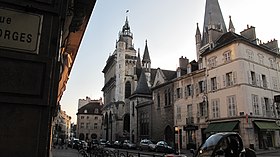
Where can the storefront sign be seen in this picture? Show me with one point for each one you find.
(20, 31)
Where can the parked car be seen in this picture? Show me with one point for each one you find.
(147, 145)
(74, 143)
(163, 147)
(228, 144)
(94, 143)
(102, 142)
(117, 144)
(128, 144)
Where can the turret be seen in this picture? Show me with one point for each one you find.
(197, 41)
(125, 35)
(231, 27)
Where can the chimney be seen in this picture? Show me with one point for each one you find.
(183, 63)
(272, 45)
(250, 34)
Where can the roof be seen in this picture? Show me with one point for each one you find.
(90, 108)
(142, 86)
(230, 37)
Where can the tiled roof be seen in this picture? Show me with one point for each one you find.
(90, 108)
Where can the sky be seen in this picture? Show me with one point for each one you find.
(169, 27)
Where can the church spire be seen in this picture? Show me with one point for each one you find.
(146, 56)
(231, 27)
(197, 40)
(213, 16)
(146, 61)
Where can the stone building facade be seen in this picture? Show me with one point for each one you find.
(233, 88)
(89, 121)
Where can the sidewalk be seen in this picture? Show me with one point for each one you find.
(69, 152)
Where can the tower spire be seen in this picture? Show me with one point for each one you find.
(213, 15)
(231, 27)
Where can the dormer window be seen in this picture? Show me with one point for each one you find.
(227, 56)
(96, 110)
(85, 111)
(212, 62)
(250, 54)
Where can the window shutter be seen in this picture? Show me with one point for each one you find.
(249, 77)
(224, 80)
(263, 106)
(191, 89)
(234, 77)
(261, 81)
(209, 85)
(196, 88)
(218, 82)
(258, 79)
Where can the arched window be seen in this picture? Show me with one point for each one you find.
(127, 89)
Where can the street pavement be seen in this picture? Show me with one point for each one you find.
(69, 152)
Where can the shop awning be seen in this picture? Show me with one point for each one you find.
(221, 126)
(263, 125)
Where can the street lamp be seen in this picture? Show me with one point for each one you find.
(178, 130)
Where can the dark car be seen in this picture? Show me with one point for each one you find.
(94, 143)
(117, 144)
(74, 143)
(228, 144)
(102, 142)
(147, 145)
(128, 144)
(163, 147)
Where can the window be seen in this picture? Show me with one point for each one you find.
(215, 108)
(127, 89)
(255, 103)
(169, 97)
(201, 85)
(189, 110)
(202, 109)
(144, 123)
(264, 81)
(260, 58)
(272, 62)
(179, 93)
(229, 79)
(133, 107)
(82, 117)
(95, 126)
(189, 90)
(158, 100)
(275, 83)
(82, 125)
(227, 56)
(95, 118)
(231, 101)
(87, 117)
(213, 83)
(250, 54)
(178, 112)
(266, 107)
(96, 110)
(212, 62)
(87, 125)
(253, 78)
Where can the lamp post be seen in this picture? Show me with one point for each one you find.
(178, 130)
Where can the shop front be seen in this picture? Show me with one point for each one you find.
(267, 133)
